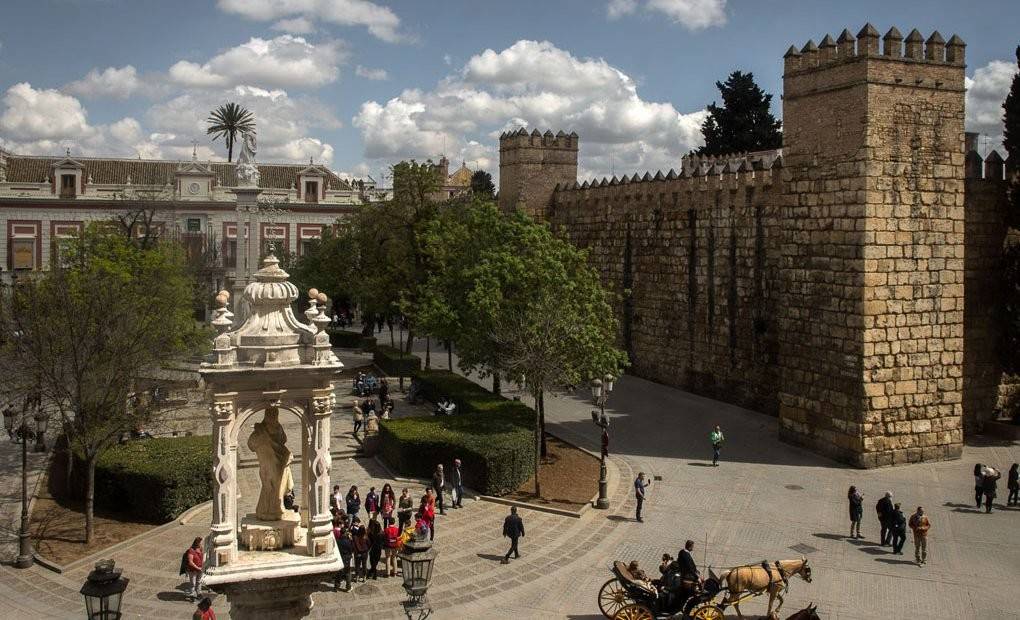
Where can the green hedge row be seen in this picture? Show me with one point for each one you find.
(393, 362)
(350, 340)
(493, 437)
(154, 480)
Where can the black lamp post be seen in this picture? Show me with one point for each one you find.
(600, 389)
(416, 561)
(104, 591)
(25, 557)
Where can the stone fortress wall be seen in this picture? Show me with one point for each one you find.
(823, 283)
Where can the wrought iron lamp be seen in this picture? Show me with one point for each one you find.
(416, 561)
(104, 591)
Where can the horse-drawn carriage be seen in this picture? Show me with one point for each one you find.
(628, 597)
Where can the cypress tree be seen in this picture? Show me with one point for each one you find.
(744, 122)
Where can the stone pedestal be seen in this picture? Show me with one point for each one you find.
(272, 585)
(262, 535)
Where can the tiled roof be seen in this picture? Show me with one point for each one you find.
(30, 169)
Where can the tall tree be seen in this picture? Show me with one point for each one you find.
(482, 185)
(744, 122)
(229, 121)
(1010, 298)
(93, 331)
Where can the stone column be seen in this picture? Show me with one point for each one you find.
(247, 246)
(222, 543)
(320, 532)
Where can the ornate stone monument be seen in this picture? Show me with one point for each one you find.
(248, 233)
(269, 562)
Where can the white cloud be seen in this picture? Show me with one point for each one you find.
(371, 74)
(295, 25)
(532, 84)
(618, 8)
(985, 93)
(380, 20)
(285, 60)
(691, 14)
(43, 114)
(119, 83)
(447, 60)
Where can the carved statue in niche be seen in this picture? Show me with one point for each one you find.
(269, 442)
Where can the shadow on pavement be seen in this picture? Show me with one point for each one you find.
(493, 557)
(875, 550)
(830, 536)
(892, 561)
(619, 518)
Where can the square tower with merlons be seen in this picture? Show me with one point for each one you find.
(873, 240)
(531, 166)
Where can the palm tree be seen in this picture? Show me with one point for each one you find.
(227, 121)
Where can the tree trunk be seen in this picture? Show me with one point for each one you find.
(230, 149)
(392, 344)
(538, 446)
(541, 422)
(449, 356)
(495, 383)
(90, 498)
(410, 340)
(428, 352)
(69, 455)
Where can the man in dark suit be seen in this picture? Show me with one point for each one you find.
(513, 528)
(884, 508)
(688, 567)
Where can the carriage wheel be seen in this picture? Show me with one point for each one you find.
(636, 611)
(708, 611)
(613, 598)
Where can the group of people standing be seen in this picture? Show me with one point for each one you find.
(893, 524)
(986, 482)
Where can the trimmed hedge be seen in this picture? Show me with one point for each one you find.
(492, 436)
(350, 340)
(154, 480)
(393, 362)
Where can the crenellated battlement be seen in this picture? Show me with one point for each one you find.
(520, 138)
(847, 48)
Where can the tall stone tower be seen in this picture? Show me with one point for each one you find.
(531, 166)
(872, 254)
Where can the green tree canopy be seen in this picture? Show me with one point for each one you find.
(744, 122)
(482, 185)
(1010, 299)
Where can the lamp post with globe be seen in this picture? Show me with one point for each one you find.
(600, 389)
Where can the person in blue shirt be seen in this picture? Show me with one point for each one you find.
(640, 484)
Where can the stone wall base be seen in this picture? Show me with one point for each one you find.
(869, 460)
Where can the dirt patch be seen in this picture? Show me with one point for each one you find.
(569, 478)
(58, 522)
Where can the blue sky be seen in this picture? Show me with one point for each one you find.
(360, 84)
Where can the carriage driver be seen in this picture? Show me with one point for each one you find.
(688, 567)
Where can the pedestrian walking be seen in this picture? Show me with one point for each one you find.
(361, 548)
(513, 528)
(884, 508)
(192, 564)
(919, 525)
(392, 536)
(856, 501)
(1013, 484)
(458, 485)
(899, 530)
(989, 485)
(359, 417)
(353, 501)
(640, 484)
(438, 484)
(717, 439)
(979, 487)
(204, 611)
(405, 507)
(376, 543)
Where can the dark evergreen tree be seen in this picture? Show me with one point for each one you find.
(1011, 141)
(481, 184)
(744, 122)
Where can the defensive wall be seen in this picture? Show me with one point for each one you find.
(824, 282)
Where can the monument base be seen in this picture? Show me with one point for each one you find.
(263, 535)
(272, 585)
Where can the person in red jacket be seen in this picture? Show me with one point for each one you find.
(196, 562)
(204, 611)
(392, 536)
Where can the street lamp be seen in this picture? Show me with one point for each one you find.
(41, 422)
(416, 561)
(104, 591)
(600, 389)
(25, 557)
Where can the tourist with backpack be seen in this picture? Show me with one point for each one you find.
(192, 564)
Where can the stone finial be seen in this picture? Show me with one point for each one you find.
(993, 166)
(791, 59)
(846, 43)
(955, 50)
(914, 48)
(867, 41)
(892, 43)
(809, 54)
(826, 49)
(935, 48)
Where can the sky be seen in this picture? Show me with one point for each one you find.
(361, 84)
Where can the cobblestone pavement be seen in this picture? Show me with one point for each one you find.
(766, 500)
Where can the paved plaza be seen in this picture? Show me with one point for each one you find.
(767, 500)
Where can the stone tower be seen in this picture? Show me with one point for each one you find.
(531, 166)
(872, 253)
